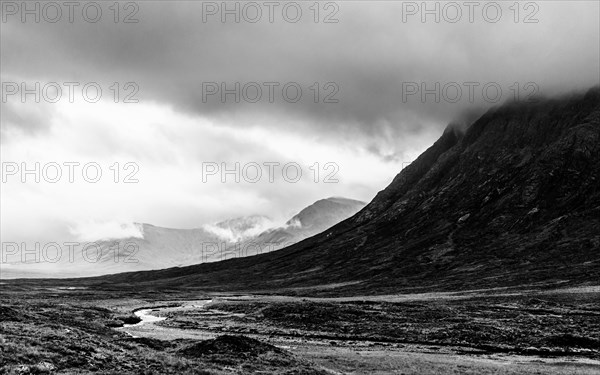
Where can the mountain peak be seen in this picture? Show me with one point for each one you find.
(325, 212)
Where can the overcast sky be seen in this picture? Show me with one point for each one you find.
(177, 52)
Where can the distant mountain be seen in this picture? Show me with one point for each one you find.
(325, 212)
(234, 238)
(514, 201)
(167, 247)
(314, 219)
(159, 248)
(241, 228)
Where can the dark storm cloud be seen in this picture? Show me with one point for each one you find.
(371, 133)
(368, 55)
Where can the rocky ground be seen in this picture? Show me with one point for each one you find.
(543, 325)
(74, 331)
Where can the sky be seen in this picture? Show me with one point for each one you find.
(308, 101)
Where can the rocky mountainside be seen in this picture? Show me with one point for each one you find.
(514, 201)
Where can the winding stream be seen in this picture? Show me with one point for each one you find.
(147, 327)
(150, 327)
(146, 317)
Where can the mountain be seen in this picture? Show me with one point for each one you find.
(314, 219)
(233, 238)
(241, 228)
(512, 201)
(160, 248)
(157, 248)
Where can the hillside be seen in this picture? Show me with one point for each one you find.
(512, 202)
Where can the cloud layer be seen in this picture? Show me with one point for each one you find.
(366, 62)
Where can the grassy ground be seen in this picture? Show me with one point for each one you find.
(544, 325)
(67, 331)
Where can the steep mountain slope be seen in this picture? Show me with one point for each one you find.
(513, 201)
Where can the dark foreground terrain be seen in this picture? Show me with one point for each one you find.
(73, 331)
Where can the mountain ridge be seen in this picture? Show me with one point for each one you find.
(160, 247)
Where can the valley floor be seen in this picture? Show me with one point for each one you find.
(70, 330)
